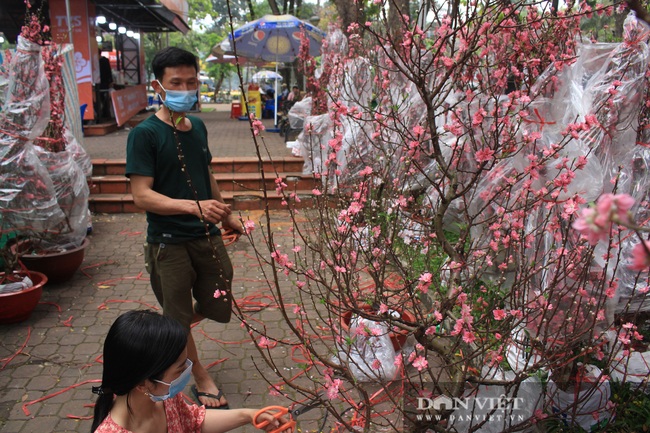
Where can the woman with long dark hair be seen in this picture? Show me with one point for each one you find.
(145, 369)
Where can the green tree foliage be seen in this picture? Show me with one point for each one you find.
(210, 23)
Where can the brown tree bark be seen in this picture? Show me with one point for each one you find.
(250, 7)
(350, 11)
(641, 12)
(289, 7)
(274, 7)
(397, 9)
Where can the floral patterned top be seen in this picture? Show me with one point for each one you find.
(181, 418)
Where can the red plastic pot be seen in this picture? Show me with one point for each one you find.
(18, 306)
(58, 266)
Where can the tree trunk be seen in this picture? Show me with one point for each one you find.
(250, 7)
(217, 86)
(350, 11)
(396, 26)
(289, 7)
(274, 7)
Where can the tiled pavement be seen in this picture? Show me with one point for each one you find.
(47, 361)
(227, 137)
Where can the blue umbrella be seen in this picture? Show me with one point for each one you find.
(273, 38)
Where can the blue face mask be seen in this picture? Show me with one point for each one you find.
(179, 101)
(176, 385)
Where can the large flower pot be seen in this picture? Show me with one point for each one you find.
(18, 306)
(58, 266)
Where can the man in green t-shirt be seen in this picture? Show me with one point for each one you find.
(168, 162)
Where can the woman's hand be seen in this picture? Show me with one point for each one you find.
(273, 422)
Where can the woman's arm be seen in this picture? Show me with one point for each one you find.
(220, 421)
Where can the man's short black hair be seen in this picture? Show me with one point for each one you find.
(171, 57)
(294, 87)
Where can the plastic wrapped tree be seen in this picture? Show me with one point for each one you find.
(43, 189)
(469, 207)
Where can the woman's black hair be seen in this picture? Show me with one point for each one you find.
(140, 345)
(171, 57)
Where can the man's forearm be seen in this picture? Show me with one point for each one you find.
(154, 202)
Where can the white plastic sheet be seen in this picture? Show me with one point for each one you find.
(586, 404)
(495, 407)
(371, 356)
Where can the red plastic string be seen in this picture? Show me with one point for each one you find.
(38, 400)
(96, 265)
(124, 301)
(68, 322)
(19, 351)
(540, 120)
(58, 307)
(222, 341)
(129, 233)
(117, 280)
(82, 417)
(217, 362)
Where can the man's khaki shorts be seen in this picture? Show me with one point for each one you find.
(180, 272)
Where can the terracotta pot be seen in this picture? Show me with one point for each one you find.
(398, 338)
(58, 266)
(18, 306)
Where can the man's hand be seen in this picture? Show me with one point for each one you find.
(214, 211)
(233, 223)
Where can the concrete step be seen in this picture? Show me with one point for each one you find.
(103, 167)
(242, 200)
(240, 182)
(245, 181)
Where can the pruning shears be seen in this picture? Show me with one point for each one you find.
(278, 412)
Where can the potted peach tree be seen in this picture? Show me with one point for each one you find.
(42, 183)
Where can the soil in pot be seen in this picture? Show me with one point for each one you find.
(18, 306)
(58, 266)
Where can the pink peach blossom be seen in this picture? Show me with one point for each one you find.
(595, 223)
(640, 256)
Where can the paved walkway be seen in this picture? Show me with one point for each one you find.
(48, 361)
(227, 137)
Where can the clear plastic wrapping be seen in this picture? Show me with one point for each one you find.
(498, 408)
(603, 92)
(371, 355)
(71, 192)
(299, 112)
(587, 403)
(26, 111)
(43, 195)
(312, 142)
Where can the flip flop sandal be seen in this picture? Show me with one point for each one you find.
(196, 394)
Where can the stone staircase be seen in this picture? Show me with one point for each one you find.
(239, 179)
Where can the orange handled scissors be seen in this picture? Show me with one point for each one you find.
(276, 412)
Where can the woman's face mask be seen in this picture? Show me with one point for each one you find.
(176, 385)
(179, 101)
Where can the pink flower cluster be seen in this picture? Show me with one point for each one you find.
(595, 222)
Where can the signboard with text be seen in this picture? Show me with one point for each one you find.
(83, 34)
(128, 102)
